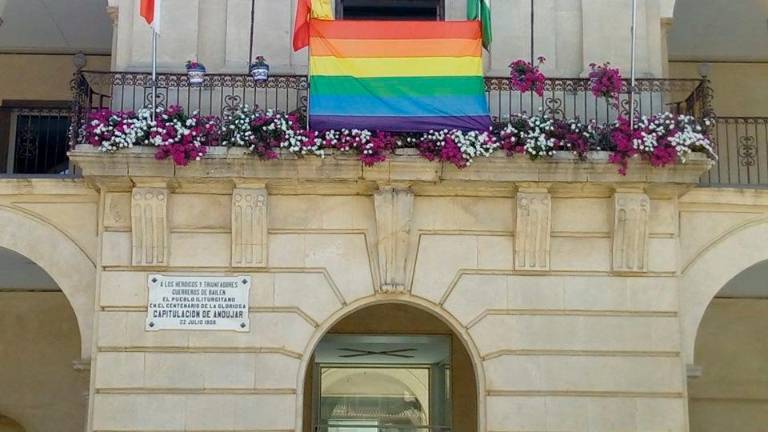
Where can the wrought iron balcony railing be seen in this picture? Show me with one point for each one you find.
(742, 149)
(742, 142)
(563, 97)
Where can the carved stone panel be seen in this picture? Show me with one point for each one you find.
(249, 227)
(630, 232)
(533, 233)
(149, 226)
(394, 214)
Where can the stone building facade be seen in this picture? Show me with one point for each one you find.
(572, 298)
(575, 292)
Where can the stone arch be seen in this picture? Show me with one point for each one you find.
(717, 264)
(418, 303)
(61, 258)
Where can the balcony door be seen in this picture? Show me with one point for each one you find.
(422, 10)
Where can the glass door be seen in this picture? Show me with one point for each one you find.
(369, 383)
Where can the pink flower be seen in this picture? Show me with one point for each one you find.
(606, 82)
(526, 77)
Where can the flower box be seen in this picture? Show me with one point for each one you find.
(195, 73)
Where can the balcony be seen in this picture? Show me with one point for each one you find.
(741, 142)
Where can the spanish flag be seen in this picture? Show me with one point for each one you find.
(150, 11)
(306, 10)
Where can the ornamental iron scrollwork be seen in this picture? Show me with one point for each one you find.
(160, 97)
(28, 144)
(231, 104)
(554, 107)
(747, 151)
(625, 107)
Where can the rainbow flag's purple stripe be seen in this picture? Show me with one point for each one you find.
(396, 76)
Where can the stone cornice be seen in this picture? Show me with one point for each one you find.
(494, 175)
(45, 186)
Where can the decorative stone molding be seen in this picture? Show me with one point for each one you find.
(533, 230)
(394, 215)
(149, 226)
(249, 227)
(630, 231)
(114, 13)
(81, 365)
(693, 371)
(407, 166)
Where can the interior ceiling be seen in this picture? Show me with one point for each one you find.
(17, 272)
(362, 349)
(751, 283)
(724, 30)
(55, 26)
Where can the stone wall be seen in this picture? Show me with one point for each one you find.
(555, 336)
(564, 293)
(577, 300)
(41, 77)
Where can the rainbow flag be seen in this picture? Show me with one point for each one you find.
(394, 76)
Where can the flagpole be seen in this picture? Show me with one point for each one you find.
(533, 44)
(309, 76)
(533, 27)
(154, 73)
(250, 49)
(632, 67)
(309, 70)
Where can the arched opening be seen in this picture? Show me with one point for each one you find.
(39, 349)
(71, 269)
(390, 366)
(728, 385)
(8, 424)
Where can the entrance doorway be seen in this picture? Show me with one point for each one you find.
(382, 383)
(390, 368)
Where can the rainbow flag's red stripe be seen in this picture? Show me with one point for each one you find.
(397, 76)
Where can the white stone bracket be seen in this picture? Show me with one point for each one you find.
(149, 227)
(533, 230)
(394, 218)
(630, 231)
(249, 227)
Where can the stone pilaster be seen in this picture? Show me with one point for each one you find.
(249, 227)
(533, 230)
(630, 231)
(394, 214)
(149, 226)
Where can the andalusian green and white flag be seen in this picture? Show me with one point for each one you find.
(481, 10)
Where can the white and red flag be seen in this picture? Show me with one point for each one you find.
(150, 10)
